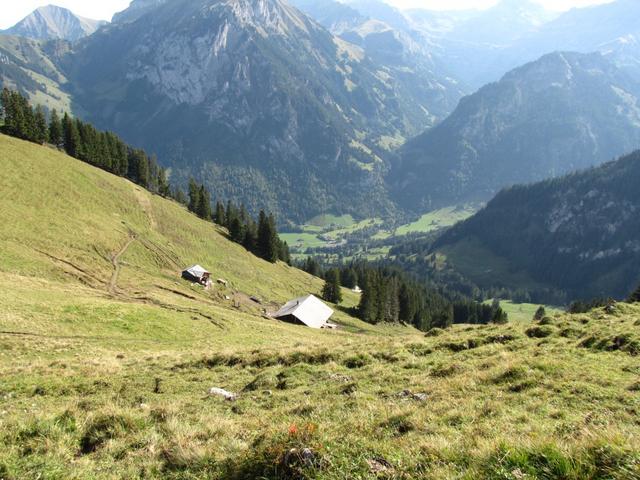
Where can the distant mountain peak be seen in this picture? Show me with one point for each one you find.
(54, 22)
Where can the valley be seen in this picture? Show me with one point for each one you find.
(113, 383)
(320, 240)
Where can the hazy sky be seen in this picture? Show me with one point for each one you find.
(11, 11)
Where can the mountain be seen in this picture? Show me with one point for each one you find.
(253, 96)
(578, 233)
(386, 36)
(476, 42)
(32, 67)
(503, 23)
(518, 32)
(562, 112)
(53, 22)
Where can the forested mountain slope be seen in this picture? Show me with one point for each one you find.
(578, 233)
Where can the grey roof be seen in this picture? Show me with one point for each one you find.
(197, 271)
(309, 310)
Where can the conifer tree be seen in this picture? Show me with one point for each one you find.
(164, 189)
(6, 110)
(231, 213)
(204, 206)
(267, 244)
(540, 314)
(71, 137)
(55, 129)
(236, 230)
(179, 196)
(368, 307)
(285, 253)
(635, 296)
(331, 291)
(41, 130)
(194, 196)
(219, 216)
(250, 236)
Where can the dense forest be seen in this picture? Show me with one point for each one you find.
(107, 151)
(390, 295)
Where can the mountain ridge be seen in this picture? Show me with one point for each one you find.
(563, 112)
(52, 22)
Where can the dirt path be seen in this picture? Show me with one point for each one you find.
(145, 203)
(115, 261)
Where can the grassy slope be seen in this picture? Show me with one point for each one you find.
(78, 396)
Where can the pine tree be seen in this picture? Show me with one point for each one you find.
(236, 230)
(635, 296)
(368, 307)
(70, 136)
(267, 244)
(230, 214)
(540, 314)
(179, 196)
(194, 196)
(6, 110)
(250, 236)
(219, 216)
(55, 129)
(331, 291)
(204, 207)
(41, 130)
(285, 253)
(164, 189)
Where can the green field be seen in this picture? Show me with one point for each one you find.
(524, 312)
(107, 358)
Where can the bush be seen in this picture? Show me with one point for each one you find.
(539, 332)
(103, 428)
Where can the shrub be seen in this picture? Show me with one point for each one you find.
(103, 428)
(538, 332)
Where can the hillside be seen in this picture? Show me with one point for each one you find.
(577, 234)
(65, 229)
(106, 376)
(54, 23)
(563, 112)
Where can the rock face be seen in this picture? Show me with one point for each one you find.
(52, 22)
(251, 95)
(563, 112)
(388, 38)
(578, 233)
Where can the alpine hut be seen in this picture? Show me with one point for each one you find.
(197, 274)
(309, 311)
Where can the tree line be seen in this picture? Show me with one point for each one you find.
(82, 141)
(260, 236)
(109, 152)
(390, 295)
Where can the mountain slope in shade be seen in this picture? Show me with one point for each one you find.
(577, 233)
(53, 22)
(563, 112)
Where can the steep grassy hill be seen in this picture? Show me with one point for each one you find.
(105, 376)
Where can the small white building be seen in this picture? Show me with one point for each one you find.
(357, 289)
(309, 311)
